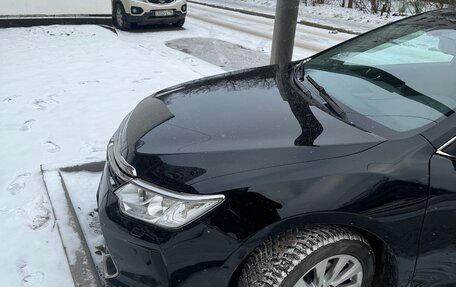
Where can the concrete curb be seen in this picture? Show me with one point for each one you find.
(302, 22)
(41, 20)
(83, 270)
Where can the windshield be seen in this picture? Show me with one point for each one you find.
(397, 80)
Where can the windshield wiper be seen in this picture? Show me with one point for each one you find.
(329, 102)
(301, 72)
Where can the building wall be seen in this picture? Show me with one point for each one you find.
(54, 7)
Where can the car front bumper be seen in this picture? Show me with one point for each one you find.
(146, 255)
(147, 15)
(150, 18)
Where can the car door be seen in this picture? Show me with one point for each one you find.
(436, 265)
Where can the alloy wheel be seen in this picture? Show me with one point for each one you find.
(336, 271)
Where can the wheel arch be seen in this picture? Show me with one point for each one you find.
(386, 265)
(115, 2)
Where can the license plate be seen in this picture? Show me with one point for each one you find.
(164, 13)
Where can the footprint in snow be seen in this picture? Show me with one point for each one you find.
(29, 279)
(40, 215)
(27, 125)
(9, 100)
(92, 148)
(42, 105)
(18, 183)
(33, 280)
(88, 82)
(52, 147)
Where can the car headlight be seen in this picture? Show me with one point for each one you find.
(162, 207)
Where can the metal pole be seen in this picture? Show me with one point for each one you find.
(286, 18)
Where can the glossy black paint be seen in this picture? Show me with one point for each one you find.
(436, 264)
(248, 120)
(281, 160)
(389, 203)
(437, 261)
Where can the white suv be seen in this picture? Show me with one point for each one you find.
(128, 12)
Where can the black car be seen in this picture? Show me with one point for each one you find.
(338, 170)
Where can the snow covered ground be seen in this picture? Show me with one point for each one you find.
(63, 92)
(329, 15)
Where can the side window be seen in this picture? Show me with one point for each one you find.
(417, 48)
(448, 149)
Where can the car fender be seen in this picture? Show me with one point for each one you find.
(365, 225)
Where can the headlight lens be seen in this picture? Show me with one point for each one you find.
(162, 207)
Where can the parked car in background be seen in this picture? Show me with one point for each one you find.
(126, 13)
(338, 170)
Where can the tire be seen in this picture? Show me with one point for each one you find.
(180, 23)
(297, 258)
(119, 19)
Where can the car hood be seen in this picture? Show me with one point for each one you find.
(232, 123)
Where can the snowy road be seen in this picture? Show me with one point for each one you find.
(328, 15)
(63, 92)
(309, 39)
(252, 32)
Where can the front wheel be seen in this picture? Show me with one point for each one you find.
(316, 256)
(119, 18)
